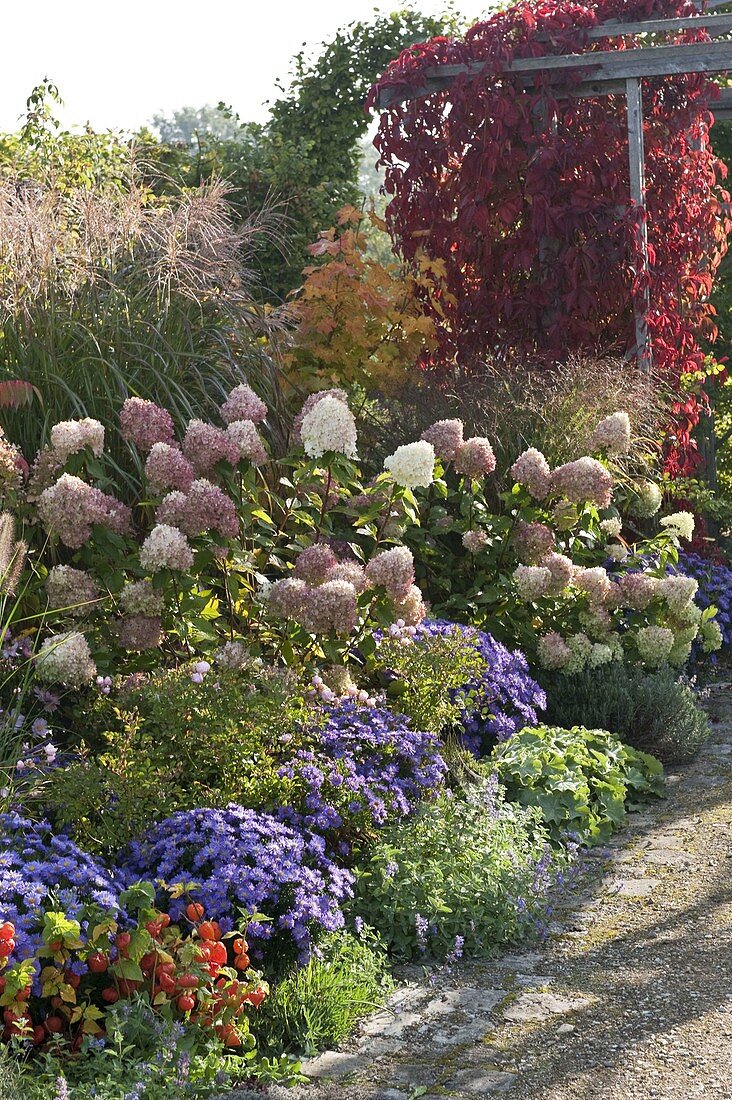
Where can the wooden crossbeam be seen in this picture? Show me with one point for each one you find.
(595, 66)
(713, 24)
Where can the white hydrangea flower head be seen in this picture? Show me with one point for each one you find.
(655, 644)
(612, 434)
(612, 526)
(677, 592)
(65, 659)
(412, 465)
(68, 437)
(166, 548)
(616, 551)
(532, 581)
(329, 426)
(680, 524)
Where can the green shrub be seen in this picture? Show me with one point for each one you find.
(583, 781)
(470, 873)
(317, 1006)
(656, 712)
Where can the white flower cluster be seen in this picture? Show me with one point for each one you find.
(65, 659)
(612, 526)
(678, 592)
(412, 465)
(645, 499)
(680, 524)
(612, 434)
(654, 644)
(329, 426)
(166, 548)
(70, 590)
(532, 582)
(71, 436)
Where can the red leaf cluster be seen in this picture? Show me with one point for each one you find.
(524, 194)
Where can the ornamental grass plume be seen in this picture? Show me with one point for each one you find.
(205, 445)
(446, 436)
(412, 465)
(71, 590)
(65, 659)
(584, 481)
(144, 423)
(532, 471)
(13, 553)
(243, 404)
(244, 435)
(393, 570)
(168, 468)
(475, 458)
(612, 435)
(166, 548)
(71, 436)
(329, 426)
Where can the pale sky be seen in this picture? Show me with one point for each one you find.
(117, 62)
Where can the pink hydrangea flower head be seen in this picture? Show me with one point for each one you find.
(168, 468)
(205, 507)
(638, 589)
(65, 659)
(393, 570)
(205, 445)
(70, 507)
(475, 458)
(138, 632)
(315, 563)
(532, 471)
(474, 541)
(446, 436)
(144, 423)
(244, 435)
(594, 582)
(553, 651)
(411, 609)
(533, 542)
(349, 571)
(287, 597)
(243, 404)
(562, 571)
(583, 481)
(330, 607)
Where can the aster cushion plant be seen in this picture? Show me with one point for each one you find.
(242, 864)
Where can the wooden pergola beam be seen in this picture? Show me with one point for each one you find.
(596, 66)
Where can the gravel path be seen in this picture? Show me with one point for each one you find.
(630, 997)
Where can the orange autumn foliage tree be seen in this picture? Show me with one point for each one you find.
(358, 320)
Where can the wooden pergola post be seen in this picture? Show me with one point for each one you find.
(636, 159)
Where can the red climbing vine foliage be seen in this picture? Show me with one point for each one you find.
(523, 193)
